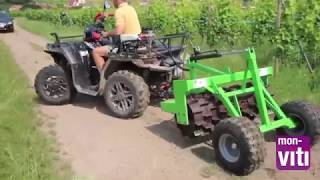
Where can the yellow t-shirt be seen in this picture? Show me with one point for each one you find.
(126, 15)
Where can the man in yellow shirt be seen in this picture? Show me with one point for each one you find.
(127, 25)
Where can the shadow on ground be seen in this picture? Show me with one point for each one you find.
(4, 32)
(200, 147)
(168, 131)
(92, 102)
(85, 101)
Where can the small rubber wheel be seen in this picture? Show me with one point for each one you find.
(307, 118)
(53, 86)
(11, 30)
(126, 94)
(238, 145)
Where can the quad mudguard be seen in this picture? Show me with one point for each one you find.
(75, 55)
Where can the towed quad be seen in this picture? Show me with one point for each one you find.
(137, 70)
(234, 109)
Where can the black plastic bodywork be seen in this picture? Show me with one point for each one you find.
(76, 58)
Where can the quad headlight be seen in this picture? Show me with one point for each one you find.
(10, 23)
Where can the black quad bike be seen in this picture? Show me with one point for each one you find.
(137, 70)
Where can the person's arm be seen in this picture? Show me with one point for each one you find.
(110, 14)
(120, 23)
(117, 31)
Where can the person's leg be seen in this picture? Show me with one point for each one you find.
(102, 82)
(98, 55)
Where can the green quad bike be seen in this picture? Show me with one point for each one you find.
(235, 108)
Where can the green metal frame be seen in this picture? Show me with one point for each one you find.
(214, 84)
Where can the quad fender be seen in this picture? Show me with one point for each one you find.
(64, 53)
(76, 56)
(136, 65)
(75, 53)
(115, 65)
(56, 54)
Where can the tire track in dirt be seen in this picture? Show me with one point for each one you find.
(101, 147)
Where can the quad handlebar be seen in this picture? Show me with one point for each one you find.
(58, 38)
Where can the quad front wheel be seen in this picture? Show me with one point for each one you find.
(126, 94)
(53, 85)
(238, 145)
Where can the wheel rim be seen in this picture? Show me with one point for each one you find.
(300, 129)
(229, 148)
(55, 87)
(121, 97)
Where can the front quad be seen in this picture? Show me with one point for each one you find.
(235, 108)
(138, 71)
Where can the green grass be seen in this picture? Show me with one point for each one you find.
(44, 28)
(292, 83)
(25, 152)
(4, 6)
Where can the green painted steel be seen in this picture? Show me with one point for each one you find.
(215, 83)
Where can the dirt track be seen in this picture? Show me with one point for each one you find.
(100, 147)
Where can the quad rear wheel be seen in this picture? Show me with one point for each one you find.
(126, 94)
(53, 85)
(238, 145)
(307, 118)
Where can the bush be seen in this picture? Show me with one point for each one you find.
(222, 23)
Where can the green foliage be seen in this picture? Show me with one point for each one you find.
(78, 17)
(17, 1)
(60, 17)
(186, 15)
(25, 153)
(222, 23)
(261, 21)
(164, 16)
(47, 28)
(158, 16)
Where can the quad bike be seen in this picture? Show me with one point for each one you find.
(235, 108)
(137, 70)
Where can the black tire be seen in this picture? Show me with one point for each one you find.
(65, 85)
(307, 116)
(137, 92)
(11, 30)
(246, 142)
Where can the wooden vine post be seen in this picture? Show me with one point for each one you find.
(278, 26)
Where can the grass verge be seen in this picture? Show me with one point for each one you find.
(25, 152)
(292, 83)
(44, 28)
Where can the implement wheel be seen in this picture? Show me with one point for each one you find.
(239, 145)
(307, 118)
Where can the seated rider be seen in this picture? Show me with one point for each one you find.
(98, 27)
(127, 24)
(92, 32)
(99, 21)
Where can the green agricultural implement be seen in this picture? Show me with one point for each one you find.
(235, 109)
